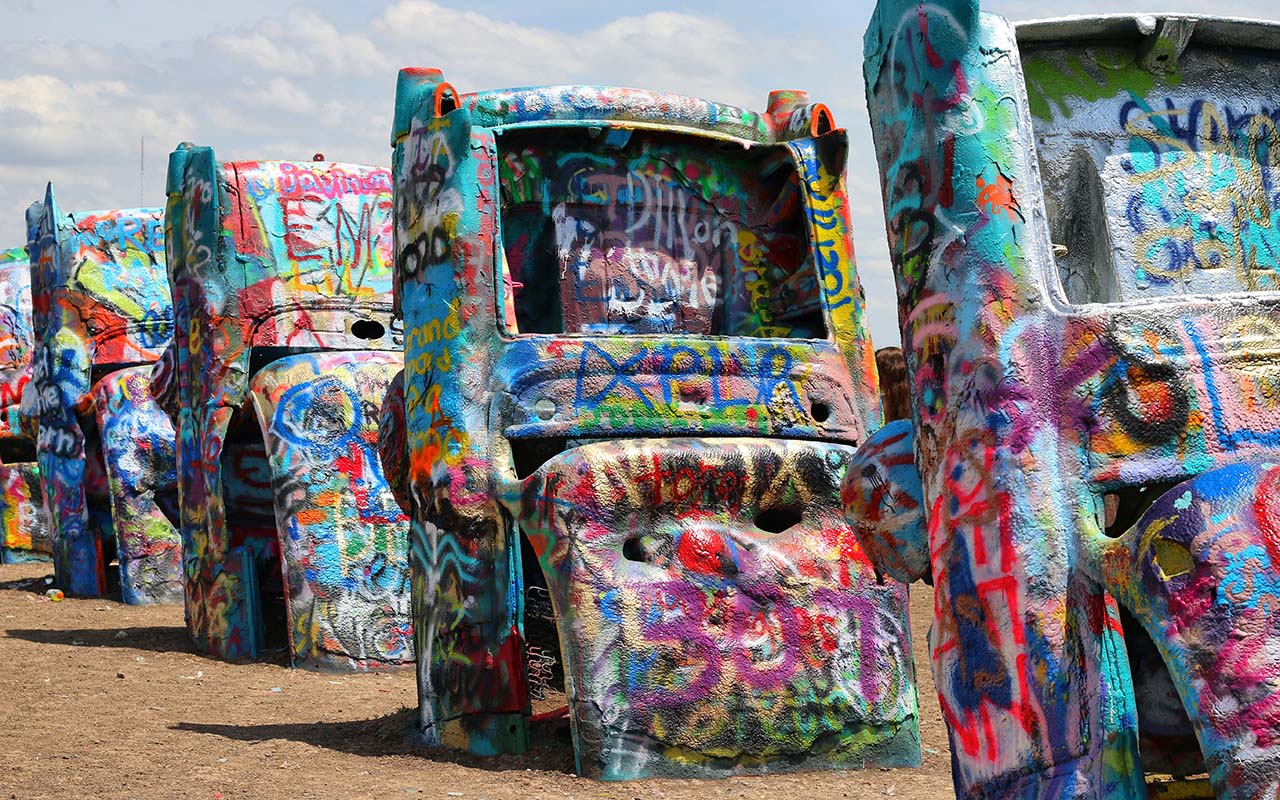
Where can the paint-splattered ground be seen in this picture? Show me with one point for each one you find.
(102, 700)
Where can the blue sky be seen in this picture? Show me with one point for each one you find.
(81, 82)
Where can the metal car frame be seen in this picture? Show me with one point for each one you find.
(23, 534)
(638, 449)
(281, 282)
(1080, 216)
(101, 316)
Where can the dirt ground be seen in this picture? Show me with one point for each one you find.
(103, 700)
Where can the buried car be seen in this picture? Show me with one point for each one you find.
(23, 533)
(101, 316)
(1083, 225)
(636, 371)
(281, 281)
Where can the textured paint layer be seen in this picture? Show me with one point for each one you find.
(343, 537)
(99, 299)
(565, 278)
(23, 533)
(288, 543)
(1201, 571)
(883, 500)
(137, 442)
(715, 610)
(1076, 651)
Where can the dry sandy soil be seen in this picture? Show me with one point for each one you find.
(103, 700)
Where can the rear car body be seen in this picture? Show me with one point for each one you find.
(24, 535)
(105, 449)
(1082, 216)
(284, 352)
(635, 373)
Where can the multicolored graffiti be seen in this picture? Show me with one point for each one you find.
(565, 257)
(99, 306)
(1183, 190)
(1201, 571)
(142, 483)
(1054, 404)
(347, 562)
(715, 609)
(23, 535)
(644, 240)
(291, 536)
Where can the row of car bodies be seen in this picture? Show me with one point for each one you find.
(645, 302)
(178, 373)
(578, 397)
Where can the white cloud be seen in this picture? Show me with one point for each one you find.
(301, 44)
(50, 120)
(40, 55)
(296, 83)
(276, 95)
(680, 52)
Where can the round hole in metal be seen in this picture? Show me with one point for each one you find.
(368, 329)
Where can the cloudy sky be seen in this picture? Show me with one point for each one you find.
(82, 82)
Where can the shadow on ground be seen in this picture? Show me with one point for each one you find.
(396, 734)
(36, 585)
(156, 638)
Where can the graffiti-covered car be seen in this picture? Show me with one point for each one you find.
(1082, 219)
(281, 276)
(105, 450)
(635, 373)
(23, 533)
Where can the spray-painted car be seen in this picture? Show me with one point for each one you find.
(281, 276)
(101, 316)
(1083, 223)
(23, 535)
(593, 279)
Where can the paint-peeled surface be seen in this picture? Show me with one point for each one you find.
(137, 443)
(716, 612)
(392, 452)
(23, 534)
(564, 282)
(269, 259)
(344, 540)
(1176, 174)
(1079, 234)
(1171, 167)
(16, 336)
(99, 298)
(1201, 570)
(883, 503)
(22, 528)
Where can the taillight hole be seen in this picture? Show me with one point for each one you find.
(820, 411)
(446, 100)
(823, 123)
(633, 550)
(777, 520)
(368, 329)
